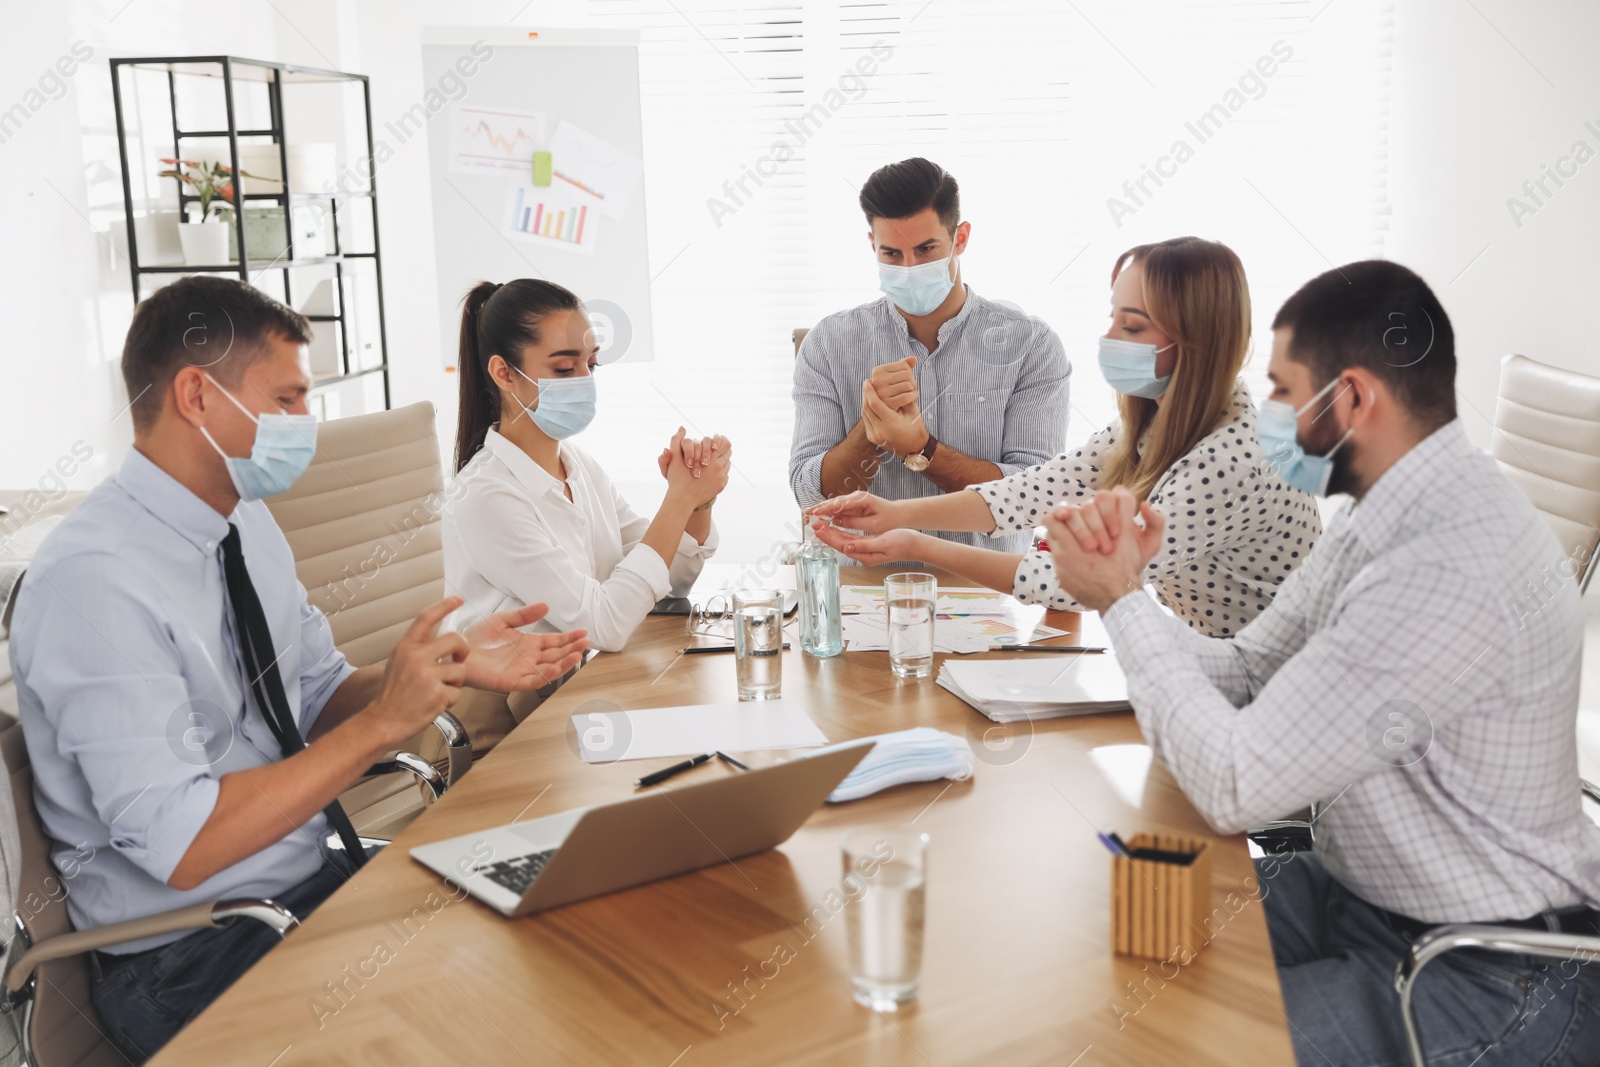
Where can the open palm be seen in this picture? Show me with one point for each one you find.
(503, 658)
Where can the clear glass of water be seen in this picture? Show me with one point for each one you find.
(884, 883)
(910, 599)
(758, 643)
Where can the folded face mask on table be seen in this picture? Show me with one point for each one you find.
(920, 755)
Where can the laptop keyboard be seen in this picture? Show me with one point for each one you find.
(517, 873)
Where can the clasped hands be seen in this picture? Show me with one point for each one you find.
(1102, 547)
(890, 416)
(696, 468)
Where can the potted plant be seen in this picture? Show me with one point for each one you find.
(205, 240)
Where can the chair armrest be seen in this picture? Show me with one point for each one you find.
(457, 746)
(411, 763)
(1511, 939)
(1590, 790)
(194, 917)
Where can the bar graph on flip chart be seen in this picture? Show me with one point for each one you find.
(537, 216)
(572, 92)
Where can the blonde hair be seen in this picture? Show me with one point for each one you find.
(1194, 292)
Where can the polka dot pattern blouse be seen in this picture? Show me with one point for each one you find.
(1234, 530)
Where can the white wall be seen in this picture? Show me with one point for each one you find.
(65, 296)
(1482, 103)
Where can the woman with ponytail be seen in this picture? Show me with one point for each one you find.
(534, 518)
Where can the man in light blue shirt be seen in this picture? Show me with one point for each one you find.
(931, 388)
(147, 733)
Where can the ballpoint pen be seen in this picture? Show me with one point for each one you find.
(700, 650)
(664, 773)
(730, 761)
(1046, 648)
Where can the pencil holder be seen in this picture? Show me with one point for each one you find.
(1157, 903)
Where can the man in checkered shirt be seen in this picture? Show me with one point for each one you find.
(1415, 683)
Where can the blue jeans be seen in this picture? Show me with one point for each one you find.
(147, 997)
(1336, 957)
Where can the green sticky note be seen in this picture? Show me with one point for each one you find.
(541, 168)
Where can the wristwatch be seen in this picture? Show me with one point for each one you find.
(918, 461)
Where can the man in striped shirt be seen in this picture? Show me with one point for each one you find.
(931, 388)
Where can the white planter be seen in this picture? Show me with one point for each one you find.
(205, 244)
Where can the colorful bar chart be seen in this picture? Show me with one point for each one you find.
(534, 215)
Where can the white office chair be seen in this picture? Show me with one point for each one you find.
(1547, 439)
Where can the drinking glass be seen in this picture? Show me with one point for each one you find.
(884, 883)
(910, 599)
(758, 643)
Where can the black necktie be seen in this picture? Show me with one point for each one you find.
(261, 667)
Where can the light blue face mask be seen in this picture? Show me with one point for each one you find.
(284, 447)
(566, 405)
(1279, 437)
(1130, 367)
(920, 289)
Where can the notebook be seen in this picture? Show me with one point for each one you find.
(1010, 690)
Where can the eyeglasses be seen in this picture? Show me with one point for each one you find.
(713, 618)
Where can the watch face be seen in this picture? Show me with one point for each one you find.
(916, 462)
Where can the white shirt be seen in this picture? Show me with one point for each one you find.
(511, 538)
(1234, 530)
(1416, 679)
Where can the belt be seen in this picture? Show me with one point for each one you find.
(1584, 921)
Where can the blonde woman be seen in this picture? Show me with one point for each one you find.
(1185, 441)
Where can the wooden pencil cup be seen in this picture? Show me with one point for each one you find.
(1158, 906)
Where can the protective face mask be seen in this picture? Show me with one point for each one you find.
(283, 449)
(917, 290)
(566, 405)
(1130, 367)
(1275, 429)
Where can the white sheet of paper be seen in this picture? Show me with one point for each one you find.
(739, 726)
(596, 171)
(486, 140)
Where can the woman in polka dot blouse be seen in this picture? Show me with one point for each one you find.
(1185, 440)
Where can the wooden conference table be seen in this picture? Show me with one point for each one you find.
(720, 966)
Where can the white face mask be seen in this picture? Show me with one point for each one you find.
(918, 290)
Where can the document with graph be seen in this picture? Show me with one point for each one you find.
(486, 140)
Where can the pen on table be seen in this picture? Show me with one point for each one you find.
(730, 761)
(699, 650)
(1112, 842)
(667, 772)
(1046, 648)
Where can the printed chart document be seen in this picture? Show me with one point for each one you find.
(738, 726)
(1009, 690)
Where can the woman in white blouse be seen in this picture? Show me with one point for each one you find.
(530, 517)
(1185, 441)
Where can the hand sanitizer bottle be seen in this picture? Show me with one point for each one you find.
(816, 571)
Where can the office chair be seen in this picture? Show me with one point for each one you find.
(1487, 938)
(363, 524)
(1547, 440)
(800, 335)
(47, 971)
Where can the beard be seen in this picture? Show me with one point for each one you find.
(1324, 438)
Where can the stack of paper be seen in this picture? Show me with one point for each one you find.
(1009, 690)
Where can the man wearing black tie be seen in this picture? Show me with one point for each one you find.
(186, 714)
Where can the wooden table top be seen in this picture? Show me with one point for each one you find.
(720, 966)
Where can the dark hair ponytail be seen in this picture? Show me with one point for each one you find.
(497, 320)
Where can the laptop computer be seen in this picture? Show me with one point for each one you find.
(561, 859)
